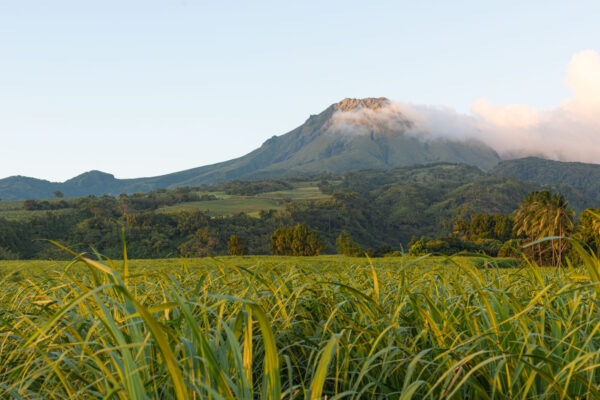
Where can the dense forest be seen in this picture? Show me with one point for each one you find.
(576, 174)
(437, 207)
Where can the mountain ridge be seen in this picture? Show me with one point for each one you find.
(312, 147)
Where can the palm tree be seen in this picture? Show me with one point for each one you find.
(588, 229)
(542, 214)
(526, 220)
(557, 221)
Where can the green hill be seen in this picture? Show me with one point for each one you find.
(427, 199)
(585, 177)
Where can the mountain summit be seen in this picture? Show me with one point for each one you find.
(371, 103)
(348, 135)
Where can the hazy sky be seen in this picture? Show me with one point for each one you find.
(140, 88)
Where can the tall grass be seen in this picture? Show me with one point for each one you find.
(295, 331)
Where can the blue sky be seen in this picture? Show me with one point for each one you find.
(140, 88)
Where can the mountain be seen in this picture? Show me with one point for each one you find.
(92, 182)
(350, 135)
(22, 187)
(585, 177)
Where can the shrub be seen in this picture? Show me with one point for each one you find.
(510, 249)
(418, 246)
(298, 240)
(347, 246)
(236, 246)
(489, 247)
(6, 254)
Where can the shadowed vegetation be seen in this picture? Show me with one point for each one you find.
(452, 208)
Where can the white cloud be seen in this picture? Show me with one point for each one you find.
(568, 132)
(362, 121)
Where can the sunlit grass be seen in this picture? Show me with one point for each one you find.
(228, 206)
(252, 327)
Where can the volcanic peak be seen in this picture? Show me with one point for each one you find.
(372, 103)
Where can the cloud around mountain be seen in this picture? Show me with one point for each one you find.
(568, 132)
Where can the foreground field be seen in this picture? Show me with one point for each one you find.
(283, 327)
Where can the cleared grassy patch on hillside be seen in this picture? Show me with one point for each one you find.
(13, 209)
(229, 206)
(11, 205)
(300, 193)
(19, 215)
(232, 204)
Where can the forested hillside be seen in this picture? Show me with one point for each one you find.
(378, 209)
(585, 177)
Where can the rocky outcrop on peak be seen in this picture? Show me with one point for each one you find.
(349, 104)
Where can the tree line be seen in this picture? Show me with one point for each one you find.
(541, 228)
(435, 208)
